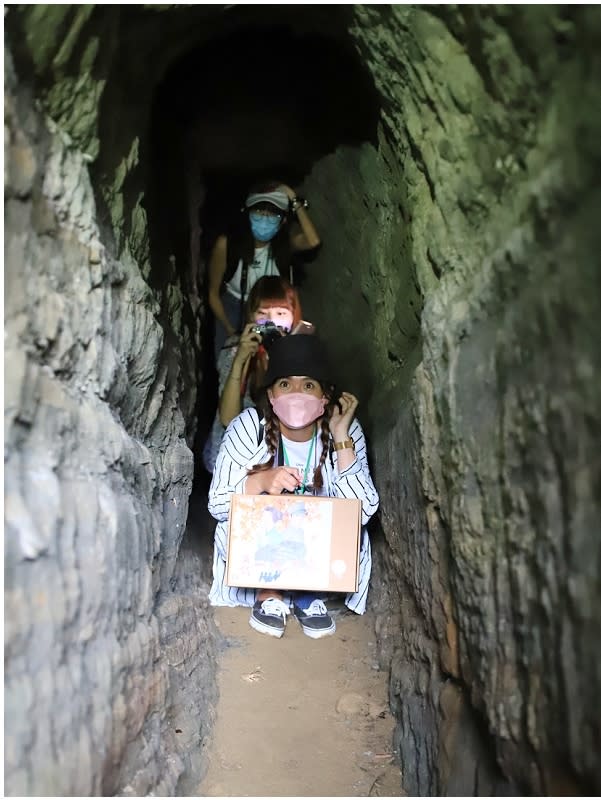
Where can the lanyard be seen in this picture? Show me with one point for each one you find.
(302, 488)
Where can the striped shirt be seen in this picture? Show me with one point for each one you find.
(224, 367)
(240, 450)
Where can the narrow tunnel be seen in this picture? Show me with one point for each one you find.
(451, 156)
(249, 121)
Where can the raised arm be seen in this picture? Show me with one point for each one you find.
(230, 394)
(355, 479)
(307, 238)
(217, 265)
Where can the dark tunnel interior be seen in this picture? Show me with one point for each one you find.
(238, 117)
(224, 117)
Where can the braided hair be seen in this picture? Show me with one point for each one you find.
(273, 434)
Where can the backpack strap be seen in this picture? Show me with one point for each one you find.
(231, 263)
(243, 287)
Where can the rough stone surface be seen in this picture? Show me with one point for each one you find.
(481, 199)
(102, 625)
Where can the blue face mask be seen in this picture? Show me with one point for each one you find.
(263, 228)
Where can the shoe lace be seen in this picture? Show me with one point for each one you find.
(275, 607)
(316, 609)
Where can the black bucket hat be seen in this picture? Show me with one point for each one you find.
(300, 354)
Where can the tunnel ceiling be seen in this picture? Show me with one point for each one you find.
(279, 99)
(279, 102)
(128, 50)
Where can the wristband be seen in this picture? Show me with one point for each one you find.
(348, 443)
(297, 202)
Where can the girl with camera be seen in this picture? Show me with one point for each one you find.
(306, 441)
(262, 245)
(272, 309)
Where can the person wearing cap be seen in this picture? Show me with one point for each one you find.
(262, 245)
(307, 442)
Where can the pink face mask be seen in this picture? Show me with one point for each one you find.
(297, 410)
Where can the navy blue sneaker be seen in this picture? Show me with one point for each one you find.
(269, 616)
(315, 620)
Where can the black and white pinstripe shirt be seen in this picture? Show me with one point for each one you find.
(241, 449)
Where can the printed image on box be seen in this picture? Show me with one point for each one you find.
(292, 542)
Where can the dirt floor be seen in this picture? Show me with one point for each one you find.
(301, 717)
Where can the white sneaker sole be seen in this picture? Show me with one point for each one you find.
(262, 628)
(318, 634)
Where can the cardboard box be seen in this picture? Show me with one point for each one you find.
(294, 542)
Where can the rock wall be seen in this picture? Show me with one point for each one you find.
(102, 627)
(480, 204)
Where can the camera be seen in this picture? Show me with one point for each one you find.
(268, 331)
